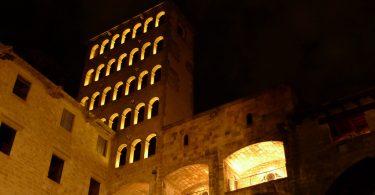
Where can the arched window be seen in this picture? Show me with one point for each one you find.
(106, 96)
(146, 50)
(94, 51)
(118, 91)
(94, 101)
(110, 67)
(130, 85)
(126, 118)
(121, 61)
(113, 122)
(99, 72)
(153, 107)
(89, 77)
(125, 36)
(186, 140)
(134, 56)
(121, 155)
(137, 30)
(136, 148)
(160, 19)
(115, 40)
(104, 47)
(147, 26)
(158, 44)
(156, 74)
(142, 80)
(84, 102)
(139, 113)
(150, 146)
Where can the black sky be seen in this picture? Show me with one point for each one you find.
(324, 49)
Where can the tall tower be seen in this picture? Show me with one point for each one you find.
(138, 78)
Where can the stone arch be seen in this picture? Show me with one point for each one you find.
(356, 179)
(139, 113)
(104, 47)
(136, 30)
(190, 179)
(146, 50)
(158, 44)
(133, 57)
(142, 80)
(105, 96)
(130, 85)
(156, 74)
(254, 164)
(147, 26)
(84, 102)
(113, 121)
(121, 155)
(125, 35)
(94, 103)
(89, 77)
(134, 189)
(150, 145)
(118, 90)
(110, 68)
(153, 107)
(121, 61)
(135, 151)
(115, 40)
(99, 73)
(160, 18)
(126, 118)
(94, 51)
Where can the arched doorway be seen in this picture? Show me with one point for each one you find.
(358, 179)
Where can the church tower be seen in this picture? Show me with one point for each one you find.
(138, 78)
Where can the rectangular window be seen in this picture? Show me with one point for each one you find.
(349, 126)
(21, 87)
(7, 135)
(94, 187)
(67, 120)
(56, 168)
(102, 146)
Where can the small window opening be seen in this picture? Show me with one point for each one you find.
(132, 87)
(55, 169)
(186, 140)
(21, 87)
(67, 120)
(348, 127)
(155, 109)
(7, 135)
(128, 119)
(94, 187)
(249, 119)
(141, 114)
(157, 75)
(144, 81)
(101, 146)
(152, 147)
(115, 123)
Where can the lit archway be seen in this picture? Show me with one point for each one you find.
(121, 61)
(94, 103)
(106, 96)
(255, 164)
(99, 72)
(84, 102)
(150, 145)
(135, 151)
(89, 77)
(133, 56)
(139, 113)
(125, 35)
(136, 30)
(121, 155)
(115, 40)
(147, 24)
(126, 118)
(113, 121)
(158, 44)
(153, 107)
(160, 18)
(118, 91)
(104, 47)
(94, 51)
(142, 80)
(156, 74)
(146, 50)
(192, 179)
(110, 67)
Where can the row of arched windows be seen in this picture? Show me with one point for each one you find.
(124, 119)
(122, 89)
(105, 70)
(135, 154)
(127, 34)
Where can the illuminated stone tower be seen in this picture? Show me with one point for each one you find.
(138, 78)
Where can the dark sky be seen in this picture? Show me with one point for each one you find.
(324, 49)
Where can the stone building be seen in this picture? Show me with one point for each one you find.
(132, 130)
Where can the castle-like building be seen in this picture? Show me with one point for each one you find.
(132, 131)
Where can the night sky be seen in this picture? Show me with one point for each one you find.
(324, 49)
